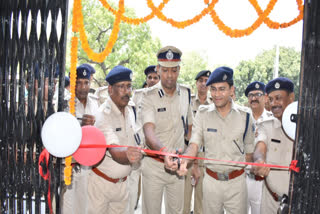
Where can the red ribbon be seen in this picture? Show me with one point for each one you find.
(44, 157)
(293, 164)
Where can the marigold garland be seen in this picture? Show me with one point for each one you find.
(78, 24)
(99, 57)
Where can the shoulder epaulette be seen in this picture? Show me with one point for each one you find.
(204, 107)
(93, 96)
(131, 103)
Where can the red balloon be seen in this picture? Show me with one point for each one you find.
(93, 138)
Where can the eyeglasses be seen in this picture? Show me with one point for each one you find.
(256, 95)
(124, 87)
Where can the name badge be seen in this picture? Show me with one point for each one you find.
(211, 130)
(118, 129)
(275, 141)
(161, 109)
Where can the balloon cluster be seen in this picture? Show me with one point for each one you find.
(63, 136)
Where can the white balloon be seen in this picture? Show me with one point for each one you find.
(61, 134)
(288, 126)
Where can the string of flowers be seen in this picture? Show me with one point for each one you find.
(99, 57)
(73, 76)
(133, 21)
(78, 24)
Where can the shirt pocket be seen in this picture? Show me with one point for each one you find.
(163, 120)
(237, 145)
(274, 154)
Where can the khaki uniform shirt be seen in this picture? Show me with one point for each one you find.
(137, 100)
(91, 107)
(279, 152)
(102, 94)
(118, 130)
(168, 113)
(195, 102)
(223, 137)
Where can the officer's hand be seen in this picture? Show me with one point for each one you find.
(134, 154)
(88, 120)
(260, 170)
(169, 162)
(183, 167)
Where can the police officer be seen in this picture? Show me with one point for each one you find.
(107, 189)
(226, 131)
(167, 118)
(273, 146)
(194, 179)
(255, 92)
(75, 196)
(152, 78)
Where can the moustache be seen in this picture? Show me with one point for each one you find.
(254, 101)
(125, 97)
(274, 107)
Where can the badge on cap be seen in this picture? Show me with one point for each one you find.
(84, 73)
(208, 74)
(225, 77)
(277, 85)
(257, 85)
(169, 55)
(130, 76)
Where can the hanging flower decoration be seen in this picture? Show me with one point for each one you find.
(78, 24)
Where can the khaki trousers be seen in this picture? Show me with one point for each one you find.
(156, 182)
(133, 188)
(230, 196)
(268, 204)
(106, 197)
(74, 197)
(188, 189)
(254, 195)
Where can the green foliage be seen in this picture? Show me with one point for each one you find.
(134, 47)
(262, 67)
(192, 63)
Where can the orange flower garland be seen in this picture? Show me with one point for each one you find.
(99, 57)
(133, 21)
(78, 24)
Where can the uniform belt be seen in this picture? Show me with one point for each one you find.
(274, 195)
(255, 177)
(225, 176)
(258, 178)
(102, 175)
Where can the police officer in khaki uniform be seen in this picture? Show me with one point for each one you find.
(107, 189)
(74, 196)
(193, 180)
(255, 92)
(167, 119)
(273, 146)
(152, 78)
(226, 131)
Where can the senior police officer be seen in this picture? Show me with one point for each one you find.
(226, 130)
(74, 199)
(152, 78)
(107, 189)
(255, 92)
(273, 146)
(193, 180)
(167, 118)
